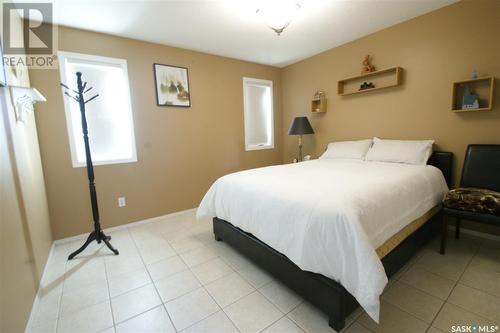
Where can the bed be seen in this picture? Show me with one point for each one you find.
(333, 231)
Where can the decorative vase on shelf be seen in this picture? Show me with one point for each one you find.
(474, 74)
(469, 100)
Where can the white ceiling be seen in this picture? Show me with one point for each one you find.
(231, 27)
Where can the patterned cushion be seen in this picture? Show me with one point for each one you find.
(473, 200)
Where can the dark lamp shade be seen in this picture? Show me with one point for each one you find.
(299, 126)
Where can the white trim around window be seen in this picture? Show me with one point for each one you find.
(116, 103)
(258, 118)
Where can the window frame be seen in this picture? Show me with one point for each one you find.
(248, 81)
(63, 56)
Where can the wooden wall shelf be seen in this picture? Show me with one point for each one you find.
(318, 105)
(483, 87)
(382, 79)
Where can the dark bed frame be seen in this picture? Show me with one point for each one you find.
(326, 294)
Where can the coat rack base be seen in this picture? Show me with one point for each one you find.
(97, 236)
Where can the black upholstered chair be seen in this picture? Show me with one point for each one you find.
(478, 197)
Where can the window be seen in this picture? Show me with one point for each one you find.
(258, 113)
(109, 116)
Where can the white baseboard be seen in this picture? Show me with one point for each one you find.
(29, 325)
(124, 226)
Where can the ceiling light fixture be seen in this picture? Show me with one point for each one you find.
(278, 14)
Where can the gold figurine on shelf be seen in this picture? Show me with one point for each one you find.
(367, 66)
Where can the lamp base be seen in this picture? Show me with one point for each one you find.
(300, 148)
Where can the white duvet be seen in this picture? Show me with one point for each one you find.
(329, 216)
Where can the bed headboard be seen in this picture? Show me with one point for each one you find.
(444, 162)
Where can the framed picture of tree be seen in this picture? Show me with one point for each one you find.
(172, 86)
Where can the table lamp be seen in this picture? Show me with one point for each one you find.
(300, 126)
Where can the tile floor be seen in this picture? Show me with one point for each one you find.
(171, 276)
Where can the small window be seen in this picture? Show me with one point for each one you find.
(258, 113)
(109, 116)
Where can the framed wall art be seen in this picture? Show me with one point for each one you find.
(172, 86)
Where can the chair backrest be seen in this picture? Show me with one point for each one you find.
(482, 167)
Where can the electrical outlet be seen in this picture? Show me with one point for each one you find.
(122, 202)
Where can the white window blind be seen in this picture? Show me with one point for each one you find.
(109, 116)
(258, 113)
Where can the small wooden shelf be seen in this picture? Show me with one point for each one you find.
(483, 87)
(384, 78)
(318, 105)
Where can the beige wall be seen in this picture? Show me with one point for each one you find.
(25, 234)
(434, 49)
(181, 151)
(17, 278)
(29, 172)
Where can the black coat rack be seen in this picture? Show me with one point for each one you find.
(96, 235)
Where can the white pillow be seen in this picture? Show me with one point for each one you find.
(400, 151)
(347, 149)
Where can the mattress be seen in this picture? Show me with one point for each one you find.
(330, 216)
(404, 233)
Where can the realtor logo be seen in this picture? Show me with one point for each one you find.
(474, 328)
(30, 41)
